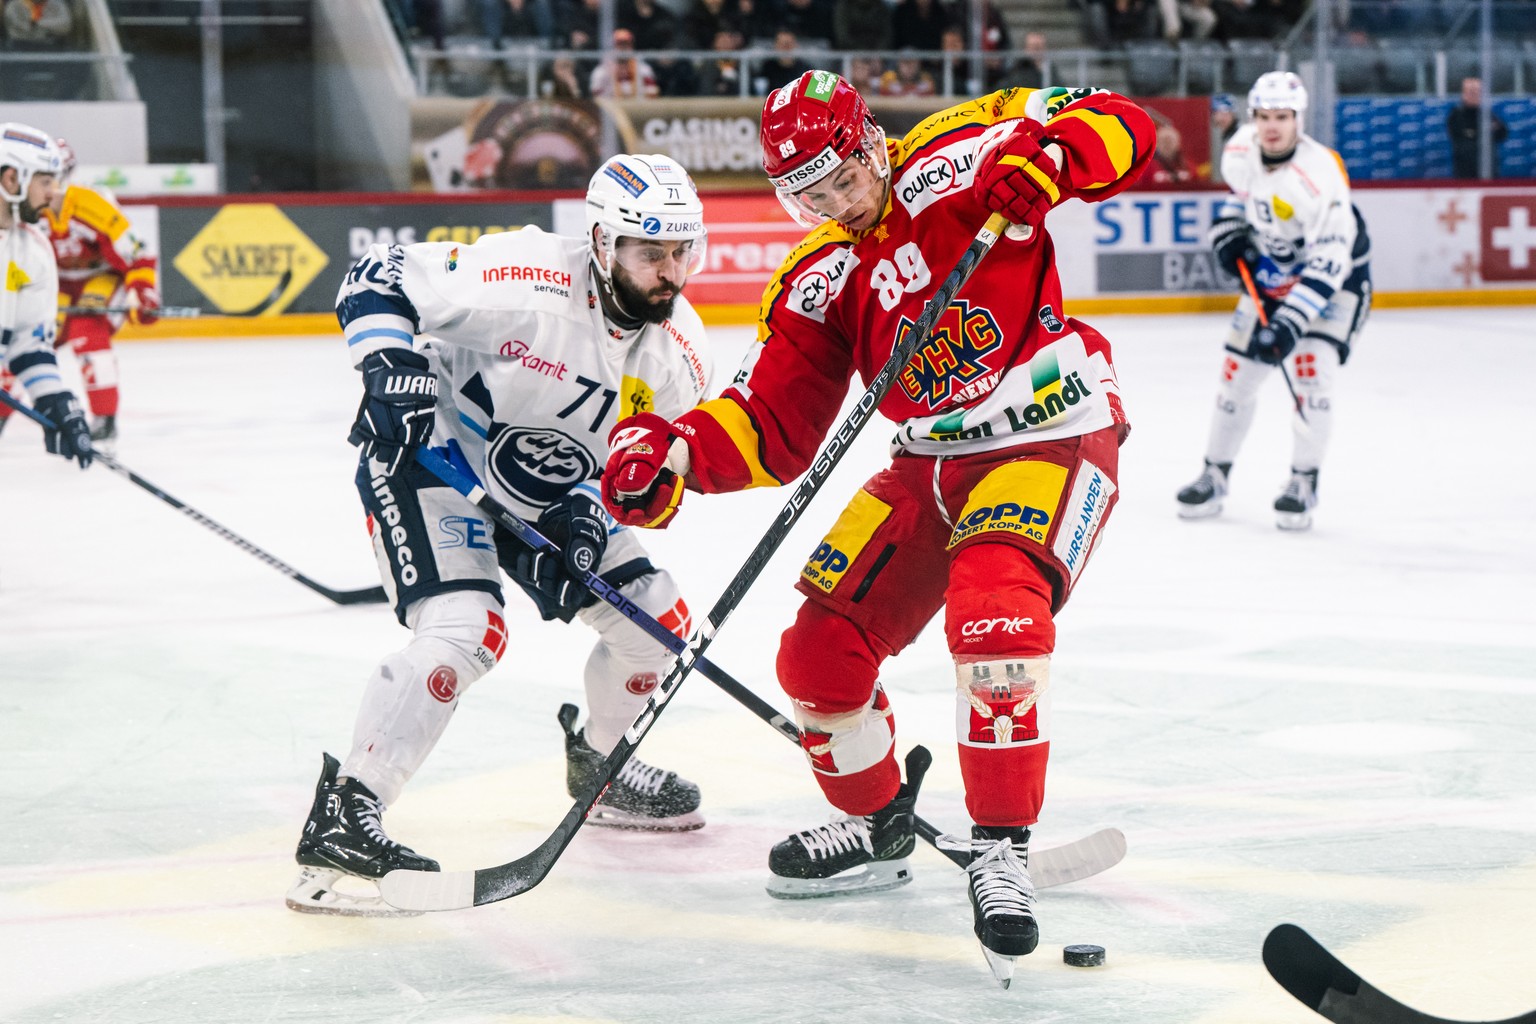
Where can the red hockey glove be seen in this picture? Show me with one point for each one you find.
(1014, 175)
(642, 486)
(147, 300)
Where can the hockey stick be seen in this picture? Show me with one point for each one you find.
(1056, 866)
(162, 312)
(453, 890)
(369, 595)
(1253, 293)
(1321, 981)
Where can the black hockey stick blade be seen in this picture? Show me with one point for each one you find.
(368, 595)
(272, 297)
(1316, 977)
(415, 890)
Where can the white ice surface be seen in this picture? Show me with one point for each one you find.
(1336, 728)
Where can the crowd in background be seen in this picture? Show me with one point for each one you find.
(792, 29)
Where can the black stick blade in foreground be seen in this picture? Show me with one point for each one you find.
(1306, 970)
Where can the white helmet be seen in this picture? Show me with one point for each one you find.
(1278, 90)
(30, 152)
(649, 197)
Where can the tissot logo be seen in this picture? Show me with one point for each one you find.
(808, 173)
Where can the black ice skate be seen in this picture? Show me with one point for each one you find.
(858, 854)
(1202, 498)
(1293, 509)
(641, 798)
(342, 839)
(1002, 896)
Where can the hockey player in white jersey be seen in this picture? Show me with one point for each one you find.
(30, 164)
(513, 357)
(1290, 221)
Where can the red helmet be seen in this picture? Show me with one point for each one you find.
(810, 127)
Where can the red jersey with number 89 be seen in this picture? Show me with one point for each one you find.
(1004, 364)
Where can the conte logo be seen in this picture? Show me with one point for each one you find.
(981, 627)
(443, 684)
(641, 683)
(952, 356)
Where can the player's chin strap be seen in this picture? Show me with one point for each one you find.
(613, 306)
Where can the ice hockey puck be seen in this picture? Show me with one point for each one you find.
(1083, 956)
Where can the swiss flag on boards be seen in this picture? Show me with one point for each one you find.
(1509, 237)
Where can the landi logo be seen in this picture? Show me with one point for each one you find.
(250, 260)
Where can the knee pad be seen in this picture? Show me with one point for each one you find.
(848, 742)
(998, 604)
(1003, 702)
(627, 663)
(460, 636)
(826, 664)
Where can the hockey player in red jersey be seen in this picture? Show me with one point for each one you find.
(102, 263)
(1004, 468)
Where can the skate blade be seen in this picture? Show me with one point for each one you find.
(1206, 511)
(876, 876)
(613, 817)
(330, 891)
(1001, 966)
(1293, 520)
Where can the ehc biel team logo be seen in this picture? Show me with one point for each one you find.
(952, 356)
(537, 465)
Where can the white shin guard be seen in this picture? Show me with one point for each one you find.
(626, 664)
(413, 692)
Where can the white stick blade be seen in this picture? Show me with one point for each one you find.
(1081, 859)
(428, 890)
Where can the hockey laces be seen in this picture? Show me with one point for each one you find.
(837, 837)
(1002, 885)
(638, 775)
(367, 811)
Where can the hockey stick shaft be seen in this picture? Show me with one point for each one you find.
(1305, 969)
(424, 891)
(1253, 293)
(162, 312)
(369, 595)
(529, 535)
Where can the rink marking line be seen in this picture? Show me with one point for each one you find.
(1310, 676)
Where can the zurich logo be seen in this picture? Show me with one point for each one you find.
(650, 225)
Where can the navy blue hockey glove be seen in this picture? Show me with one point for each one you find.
(1272, 343)
(1232, 242)
(577, 525)
(396, 414)
(71, 435)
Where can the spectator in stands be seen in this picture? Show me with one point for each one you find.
(952, 41)
(995, 41)
(1255, 19)
(783, 69)
(722, 76)
(1224, 125)
(809, 20)
(758, 20)
(656, 28)
(1109, 23)
(632, 77)
(907, 78)
(1187, 19)
(864, 73)
(576, 25)
(704, 22)
(427, 19)
(39, 24)
(526, 20)
(915, 24)
(1029, 70)
(1464, 125)
(1169, 165)
(861, 25)
(559, 80)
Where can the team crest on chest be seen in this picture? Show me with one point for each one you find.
(952, 356)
